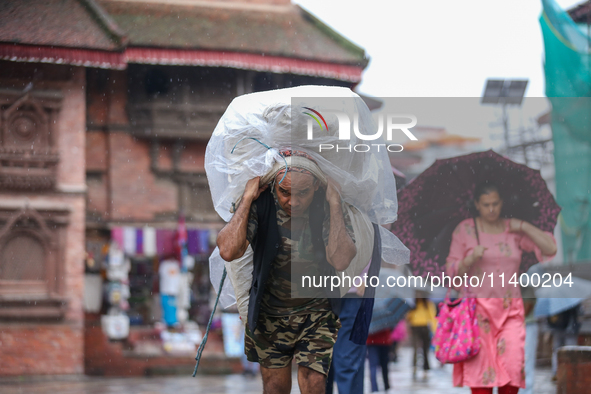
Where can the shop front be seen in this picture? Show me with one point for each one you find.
(146, 312)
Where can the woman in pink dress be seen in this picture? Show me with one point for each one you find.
(490, 244)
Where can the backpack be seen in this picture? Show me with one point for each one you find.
(561, 321)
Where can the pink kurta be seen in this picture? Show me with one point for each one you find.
(501, 317)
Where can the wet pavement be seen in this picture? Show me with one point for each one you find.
(400, 379)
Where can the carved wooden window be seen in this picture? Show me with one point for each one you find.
(30, 264)
(28, 158)
(175, 102)
(22, 264)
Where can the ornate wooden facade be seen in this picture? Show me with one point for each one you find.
(28, 157)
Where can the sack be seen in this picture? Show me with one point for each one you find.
(457, 337)
(246, 143)
(363, 232)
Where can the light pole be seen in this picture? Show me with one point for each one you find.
(505, 92)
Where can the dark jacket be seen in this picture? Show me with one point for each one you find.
(266, 243)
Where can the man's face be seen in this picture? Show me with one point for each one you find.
(296, 192)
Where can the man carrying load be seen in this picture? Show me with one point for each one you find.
(295, 214)
(296, 225)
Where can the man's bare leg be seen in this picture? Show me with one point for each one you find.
(310, 381)
(276, 380)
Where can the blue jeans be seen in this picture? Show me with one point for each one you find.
(531, 345)
(561, 338)
(378, 356)
(348, 359)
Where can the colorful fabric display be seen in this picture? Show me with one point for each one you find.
(129, 246)
(149, 241)
(139, 241)
(117, 236)
(203, 241)
(193, 241)
(149, 238)
(165, 242)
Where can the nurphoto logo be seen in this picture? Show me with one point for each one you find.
(393, 123)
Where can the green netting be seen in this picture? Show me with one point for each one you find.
(568, 87)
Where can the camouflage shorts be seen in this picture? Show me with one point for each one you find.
(309, 337)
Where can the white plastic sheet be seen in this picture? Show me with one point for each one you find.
(256, 127)
(237, 150)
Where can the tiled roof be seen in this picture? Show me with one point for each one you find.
(288, 31)
(59, 55)
(59, 23)
(98, 33)
(241, 60)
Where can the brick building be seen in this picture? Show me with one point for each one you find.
(105, 111)
(42, 192)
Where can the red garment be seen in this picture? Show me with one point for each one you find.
(502, 390)
(380, 338)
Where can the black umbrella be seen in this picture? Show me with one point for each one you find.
(435, 202)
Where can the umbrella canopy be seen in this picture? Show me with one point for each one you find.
(435, 202)
(387, 313)
(552, 306)
(575, 288)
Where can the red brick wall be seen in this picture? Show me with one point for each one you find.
(56, 348)
(72, 131)
(41, 349)
(164, 160)
(193, 157)
(96, 151)
(123, 186)
(97, 197)
(106, 358)
(74, 264)
(136, 192)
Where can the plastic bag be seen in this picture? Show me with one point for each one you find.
(256, 127)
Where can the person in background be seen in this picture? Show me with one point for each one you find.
(348, 362)
(378, 347)
(422, 323)
(398, 335)
(565, 330)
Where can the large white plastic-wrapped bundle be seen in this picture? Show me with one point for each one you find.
(235, 153)
(256, 127)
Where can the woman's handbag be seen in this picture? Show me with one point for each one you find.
(457, 337)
